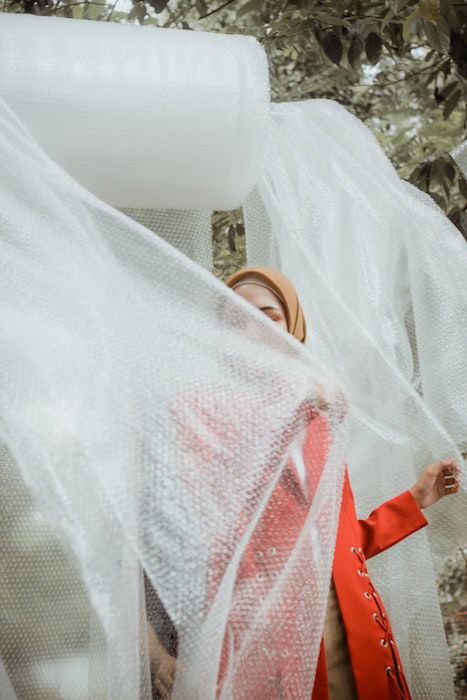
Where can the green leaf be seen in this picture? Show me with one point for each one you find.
(132, 13)
(438, 174)
(158, 5)
(449, 171)
(463, 187)
(431, 77)
(407, 26)
(373, 46)
(240, 228)
(424, 177)
(249, 6)
(332, 46)
(387, 18)
(443, 35)
(231, 239)
(201, 7)
(415, 174)
(332, 20)
(451, 104)
(438, 199)
(438, 37)
(141, 12)
(429, 10)
(400, 4)
(448, 89)
(355, 49)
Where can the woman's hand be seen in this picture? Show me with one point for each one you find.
(164, 674)
(437, 480)
(162, 664)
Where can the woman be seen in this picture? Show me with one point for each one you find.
(358, 656)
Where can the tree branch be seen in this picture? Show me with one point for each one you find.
(406, 77)
(216, 9)
(112, 8)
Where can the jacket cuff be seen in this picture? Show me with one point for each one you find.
(403, 517)
(392, 522)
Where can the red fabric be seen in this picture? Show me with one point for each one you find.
(376, 664)
(375, 661)
(266, 554)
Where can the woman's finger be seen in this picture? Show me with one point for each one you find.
(451, 484)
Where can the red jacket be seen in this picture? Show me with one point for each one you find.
(376, 665)
(375, 661)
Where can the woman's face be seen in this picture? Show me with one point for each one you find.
(264, 300)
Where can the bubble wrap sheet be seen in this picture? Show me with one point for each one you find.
(381, 274)
(149, 110)
(148, 414)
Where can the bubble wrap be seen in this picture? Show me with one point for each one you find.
(149, 109)
(148, 414)
(381, 275)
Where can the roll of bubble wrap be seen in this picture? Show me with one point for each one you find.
(143, 117)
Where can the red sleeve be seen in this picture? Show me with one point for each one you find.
(390, 523)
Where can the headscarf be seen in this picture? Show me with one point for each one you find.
(281, 287)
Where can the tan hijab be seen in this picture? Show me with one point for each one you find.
(279, 285)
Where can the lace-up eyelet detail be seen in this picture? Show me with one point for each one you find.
(388, 669)
(360, 572)
(367, 595)
(383, 642)
(353, 550)
(375, 616)
(272, 551)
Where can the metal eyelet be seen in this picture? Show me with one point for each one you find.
(367, 595)
(360, 572)
(353, 550)
(375, 616)
(259, 555)
(388, 669)
(383, 642)
(360, 550)
(272, 550)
